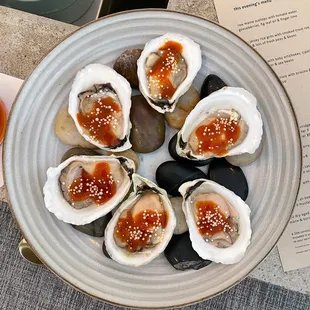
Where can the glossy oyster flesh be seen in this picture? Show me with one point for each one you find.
(143, 225)
(218, 221)
(225, 123)
(166, 70)
(99, 103)
(84, 188)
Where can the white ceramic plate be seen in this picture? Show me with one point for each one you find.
(31, 147)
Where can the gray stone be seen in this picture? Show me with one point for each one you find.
(202, 8)
(25, 39)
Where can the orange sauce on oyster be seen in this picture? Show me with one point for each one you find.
(3, 120)
(100, 121)
(98, 186)
(163, 67)
(217, 136)
(210, 218)
(136, 231)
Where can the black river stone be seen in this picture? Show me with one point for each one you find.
(211, 84)
(232, 177)
(185, 161)
(171, 175)
(181, 254)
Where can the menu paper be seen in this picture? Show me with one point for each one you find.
(9, 87)
(280, 31)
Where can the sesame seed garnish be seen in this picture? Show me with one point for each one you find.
(101, 119)
(210, 218)
(167, 65)
(93, 186)
(141, 229)
(219, 134)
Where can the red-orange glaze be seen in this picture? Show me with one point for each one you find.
(217, 135)
(99, 121)
(210, 218)
(2, 120)
(162, 68)
(98, 186)
(136, 231)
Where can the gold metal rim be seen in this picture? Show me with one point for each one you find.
(196, 17)
(27, 253)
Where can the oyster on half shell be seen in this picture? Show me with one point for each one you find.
(142, 226)
(166, 70)
(225, 123)
(83, 188)
(218, 221)
(99, 103)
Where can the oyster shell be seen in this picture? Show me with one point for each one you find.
(99, 103)
(84, 188)
(142, 226)
(218, 221)
(245, 158)
(166, 69)
(225, 123)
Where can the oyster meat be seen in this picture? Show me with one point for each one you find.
(99, 103)
(84, 188)
(211, 134)
(142, 226)
(166, 69)
(225, 123)
(218, 221)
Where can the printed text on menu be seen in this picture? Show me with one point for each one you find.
(279, 30)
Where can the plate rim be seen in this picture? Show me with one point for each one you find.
(163, 11)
